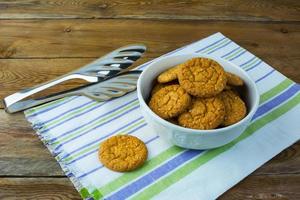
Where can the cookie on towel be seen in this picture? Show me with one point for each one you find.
(123, 153)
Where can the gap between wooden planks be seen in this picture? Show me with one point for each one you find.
(87, 38)
(247, 10)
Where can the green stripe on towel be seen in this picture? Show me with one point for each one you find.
(232, 55)
(256, 60)
(70, 115)
(216, 46)
(98, 122)
(149, 165)
(280, 87)
(38, 108)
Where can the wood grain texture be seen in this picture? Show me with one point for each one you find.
(22, 152)
(37, 188)
(18, 74)
(247, 10)
(92, 38)
(275, 187)
(25, 73)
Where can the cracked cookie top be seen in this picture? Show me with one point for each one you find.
(202, 77)
(123, 153)
(234, 106)
(168, 75)
(204, 113)
(169, 101)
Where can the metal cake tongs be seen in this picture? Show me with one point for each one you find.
(108, 77)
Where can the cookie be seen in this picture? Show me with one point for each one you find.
(228, 87)
(233, 79)
(204, 113)
(123, 153)
(169, 75)
(169, 101)
(234, 106)
(157, 87)
(202, 77)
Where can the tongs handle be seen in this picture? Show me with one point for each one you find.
(12, 99)
(100, 91)
(23, 105)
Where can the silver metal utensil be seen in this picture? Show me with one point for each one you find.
(107, 66)
(102, 91)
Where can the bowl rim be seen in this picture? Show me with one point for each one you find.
(190, 130)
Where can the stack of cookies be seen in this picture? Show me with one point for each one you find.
(198, 94)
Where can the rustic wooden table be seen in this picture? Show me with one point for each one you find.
(40, 40)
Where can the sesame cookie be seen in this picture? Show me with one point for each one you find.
(234, 106)
(233, 79)
(169, 101)
(123, 153)
(204, 113)
(202, 77)
(169, 75)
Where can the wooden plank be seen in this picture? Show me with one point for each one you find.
(25, 73)
(22, 149)
(277, 187)
(93, 38)
(37, 188)
(287, 162)
(162, 9)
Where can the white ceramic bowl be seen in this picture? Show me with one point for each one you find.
(192, 138)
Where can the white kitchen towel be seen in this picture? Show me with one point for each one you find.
(72, 128)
